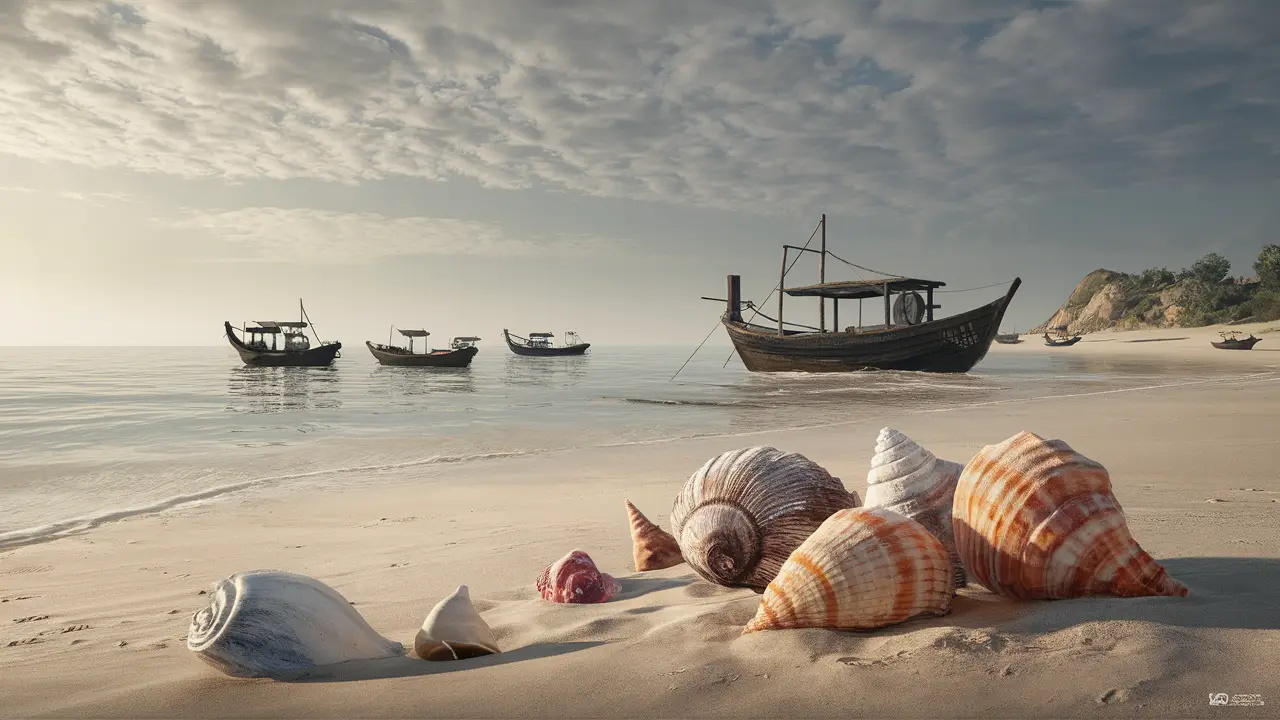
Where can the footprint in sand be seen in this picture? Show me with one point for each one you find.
(72, 628)
(32, 618)
(28, 641)
(20, 597)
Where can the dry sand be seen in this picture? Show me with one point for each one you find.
(100, 618)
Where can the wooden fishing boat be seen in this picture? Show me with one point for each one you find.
(459, 354)
(296, 351)
(1061, 340)
(909, 339)
(1008, 338)
(542, 344)
(1232, 341)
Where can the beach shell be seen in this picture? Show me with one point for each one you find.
(738, 517)
(652, 547)
(575, 578)
(265, 622)
(1035, 519)
(911, 480)
(864, 568)
(454, 630)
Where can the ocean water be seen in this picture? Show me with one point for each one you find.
(88, 435)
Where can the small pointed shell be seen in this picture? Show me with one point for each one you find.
(575, 578)
(911, 480)
(1035, 519)
(743, 512)
(862, 569)
(652, 547)
(454, 630)
(265, 622)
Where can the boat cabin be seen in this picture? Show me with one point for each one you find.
(903, 304)
(295, 340)
(540, 339)
(459, 343)
(411, 334)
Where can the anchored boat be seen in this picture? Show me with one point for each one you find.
(459, 354)
(909, 339)
(294, 351)
(1232, 341)
(542, 344)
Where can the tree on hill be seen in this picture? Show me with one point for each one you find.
(1268, 267)
(1211, 269)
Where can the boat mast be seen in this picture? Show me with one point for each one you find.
(782, 289)
(307, 320)
(822, 277)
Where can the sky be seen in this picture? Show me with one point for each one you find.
(549, 165)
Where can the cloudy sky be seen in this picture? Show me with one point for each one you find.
(549, 164)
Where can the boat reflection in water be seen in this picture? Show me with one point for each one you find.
(254, 389)
(559, 372)
(400, 385)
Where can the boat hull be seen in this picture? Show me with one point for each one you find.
(319, 356)
(950, 345)
(1246, 344)
(1062, 343)
(442, 359)
(525, 350)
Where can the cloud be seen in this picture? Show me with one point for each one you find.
(271, 234)
(737, 104)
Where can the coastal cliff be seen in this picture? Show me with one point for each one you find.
(1106, 299)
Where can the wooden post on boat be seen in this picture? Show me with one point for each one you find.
(822, 278)
(928, 305)
(735, 298)
(886, 306)
(835, 314)
(782, 289)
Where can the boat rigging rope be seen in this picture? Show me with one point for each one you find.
(984, 287)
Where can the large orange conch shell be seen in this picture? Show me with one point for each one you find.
(863, 568)
(1034, 519)
(652, 547)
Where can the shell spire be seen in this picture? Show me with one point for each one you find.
(454, 630)
(575, 578)
(911, 480)
(652, 547)
(740, 515)
(1034, 519)
(864, 568)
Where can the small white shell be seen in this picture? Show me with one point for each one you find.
(454, 630)
(909, 479)
(265, 622)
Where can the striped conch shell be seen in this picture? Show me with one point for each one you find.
(864, 568)
(1034, 519)
(575, 578)
(652, 547)
(266, 622)
(909, 479)
(454, 630)
(743, 512)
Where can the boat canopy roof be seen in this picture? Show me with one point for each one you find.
(414, 333)
(855, 289)
(263, 330)
(541, 335)
(280, 324)
(467, 338)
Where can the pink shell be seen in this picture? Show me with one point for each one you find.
(575, 578)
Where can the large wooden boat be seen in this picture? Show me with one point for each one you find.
(1232, 341)
(294, 351)
(542, 344)
(909, 339)
(459, 354)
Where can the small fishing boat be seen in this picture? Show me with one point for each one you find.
(542, 344)
(909, 339)
(459, 354)
(1060, 341)
(296, 351)
(1008, 338)
(1232, 341)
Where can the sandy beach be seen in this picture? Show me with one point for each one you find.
(94, 625)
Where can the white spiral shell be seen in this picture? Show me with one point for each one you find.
(454, 630)
(909, 479)
(265, 622)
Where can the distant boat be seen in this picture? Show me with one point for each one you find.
(1061, 340)
(296, 351)
(459, 354)
(1233, 341)
(1008, 338)
(542, 344)
(909, 339)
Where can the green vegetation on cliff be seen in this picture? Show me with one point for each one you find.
(1203, 294)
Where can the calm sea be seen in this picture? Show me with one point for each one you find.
(93, 434)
